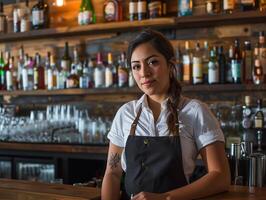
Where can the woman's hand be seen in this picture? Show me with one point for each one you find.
(151, 196)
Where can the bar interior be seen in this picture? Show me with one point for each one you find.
(64, 75)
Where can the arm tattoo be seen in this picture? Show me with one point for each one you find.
(114, 160)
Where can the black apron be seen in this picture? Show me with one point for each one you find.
(154, 164)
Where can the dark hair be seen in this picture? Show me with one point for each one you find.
(162, 45)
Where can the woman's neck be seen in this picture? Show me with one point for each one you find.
(155, 106)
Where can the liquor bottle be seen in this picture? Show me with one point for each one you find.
(228, 6)
(66, 60)
(131, 80)
(25, 22)
(133, 10)
(54, 72)
(187, 64)
(247, 62)
(122, 71)
(246, 5)
(246, 113)
(99, 73)
(179, 64)
(236, 63)
(38, 73)
(2, 72)
(109, 71)
(16, 17)
(40, 15)
(30, 64)
(213, 68)
(9, 75)
(47, 67)
(84, 78)
(142, 9)
(91, 69)
(88, 13)
(24, 74)
(197, 68)
(155, 9)
(112, 10)
(81, 11)
(3, 19)
(73, 78)
(262, 5)
(257, 72)
(185, 7)
(262, 52)
(213, 6)
(164, 8)
(205, 61)
(259, 116)
(222, 65)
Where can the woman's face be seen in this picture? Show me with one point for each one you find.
(150, 70)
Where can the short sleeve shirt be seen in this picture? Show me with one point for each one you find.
(198, 127)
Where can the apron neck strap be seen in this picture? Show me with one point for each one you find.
(135, 122)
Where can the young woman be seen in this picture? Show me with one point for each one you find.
(155, 140)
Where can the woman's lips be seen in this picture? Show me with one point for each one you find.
(148, 83)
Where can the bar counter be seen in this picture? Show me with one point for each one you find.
(26, 190)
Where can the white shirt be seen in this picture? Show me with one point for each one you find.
(198, 127)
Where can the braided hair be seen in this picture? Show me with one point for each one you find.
(162, 45)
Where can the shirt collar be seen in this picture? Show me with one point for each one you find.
(144, 102)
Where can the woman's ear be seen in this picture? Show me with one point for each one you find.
(172, 61)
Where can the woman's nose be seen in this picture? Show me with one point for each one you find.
(145, 70)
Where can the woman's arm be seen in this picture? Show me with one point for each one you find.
(112, 176)
(216, 180)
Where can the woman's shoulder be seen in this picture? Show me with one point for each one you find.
(190, 103)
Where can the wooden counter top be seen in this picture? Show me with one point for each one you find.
(26, 190)
(241, 193)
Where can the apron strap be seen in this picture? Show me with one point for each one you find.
(135, 122)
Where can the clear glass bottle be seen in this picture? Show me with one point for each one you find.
(122, 71)
(246, 113)
(3, 19)
(185, 7)
(213, 68)
(187, 64)
(197, 67)
(109, 71)
(99, 72)
(133, 10)
(257, 72)
(25, 22)
(228, 6)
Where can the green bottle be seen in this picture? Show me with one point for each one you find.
(2, 72)
(88, 13)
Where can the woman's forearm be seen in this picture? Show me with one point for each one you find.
(212, 183)
(111, 187)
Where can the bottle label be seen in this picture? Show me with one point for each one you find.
(142, 7)
(248, 2)
(197, 70)
(9, 82)
(49, 79)
(2, 23)
(258, 123)
(229, 4)
(108, 77)
(122, 77)
(133, 7)
(99, 77)
(213, 73)
(155, 9)
(236, 69)
(25, 79)
(87, 17)
(37, 17)
(262, 53)
(24, 25)
(65, 64)
(109, 11)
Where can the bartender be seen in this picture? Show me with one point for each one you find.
(156, 139)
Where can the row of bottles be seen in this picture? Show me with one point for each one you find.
(243, 122)
(213, 65)
(25, 18)
(33, 74)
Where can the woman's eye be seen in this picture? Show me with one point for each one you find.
(135, 67)
(153, 62)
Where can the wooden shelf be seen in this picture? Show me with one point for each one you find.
(55, 148)
(135, 91)
(127, 26)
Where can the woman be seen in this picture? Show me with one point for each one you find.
(157, 138)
